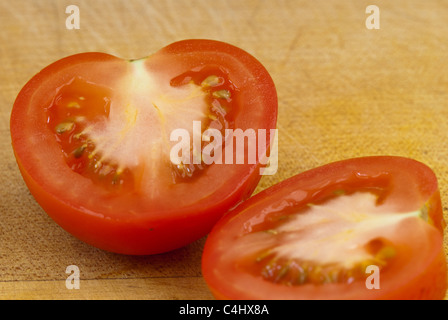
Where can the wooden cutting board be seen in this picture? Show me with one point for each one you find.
(344, 91)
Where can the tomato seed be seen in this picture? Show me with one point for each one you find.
(221, 94)
(282, 273)
(79, 151)
(63, 127)
(212, 81)
(74, 105)
(263, 255)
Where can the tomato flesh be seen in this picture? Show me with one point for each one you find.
(314, 235)
(92, 137)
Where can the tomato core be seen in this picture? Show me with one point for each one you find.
(330, 242)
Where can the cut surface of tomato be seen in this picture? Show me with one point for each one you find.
(365, 228)
(93, 138)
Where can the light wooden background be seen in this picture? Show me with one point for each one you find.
(344, 91)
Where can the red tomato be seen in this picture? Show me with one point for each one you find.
(315, 235)
(91, 135)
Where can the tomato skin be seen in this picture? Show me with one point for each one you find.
(419, 271)
(109, 221)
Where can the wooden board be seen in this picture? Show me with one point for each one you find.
(344, 91)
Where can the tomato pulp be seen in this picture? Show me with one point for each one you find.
(92, 138)
(322, 234)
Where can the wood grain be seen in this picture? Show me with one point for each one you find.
(344, 91)
(165, 288)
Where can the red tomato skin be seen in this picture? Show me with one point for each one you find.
(428, 283)
(145, 234)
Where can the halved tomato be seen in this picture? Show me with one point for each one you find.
(93, 138)
(365, 228)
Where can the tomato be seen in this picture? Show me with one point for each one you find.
(92, 136)
(364, 228)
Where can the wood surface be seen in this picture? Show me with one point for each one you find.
(344, 91)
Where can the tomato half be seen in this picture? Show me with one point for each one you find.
(93, 138)
(365, 228)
